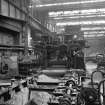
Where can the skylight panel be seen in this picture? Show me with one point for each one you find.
(94, 28)
(78, 12)
(81, 23)
(94, 32)
(70, 3)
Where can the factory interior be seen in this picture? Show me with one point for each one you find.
(52, 52)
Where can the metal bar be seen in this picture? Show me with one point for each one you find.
(104, 93)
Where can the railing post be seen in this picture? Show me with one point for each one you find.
(104, 92)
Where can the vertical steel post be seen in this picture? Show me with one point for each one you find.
(0, 6)
(104, 93)
(27, 24)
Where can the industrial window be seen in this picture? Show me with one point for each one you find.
(12, 11)
(4, 8)
(71, 3)
(6, 39)
(23, 2)
(23, 16)
(18, 14)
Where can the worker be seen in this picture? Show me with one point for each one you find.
(79, 60)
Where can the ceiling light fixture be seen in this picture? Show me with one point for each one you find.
(70, 3)
(81, 23)
(89, 36)
(94, 32)
(100, 11)
(91, 29)
(76, 17)
(94, 35)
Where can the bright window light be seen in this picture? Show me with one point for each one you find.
(89, 35)
(100, 35)
(85, 35)
(81, 23)
(70, 3)
(94, 28)
(100, 11)
(76, 17)
(94, 35)
(95, 32)
(75, 36)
